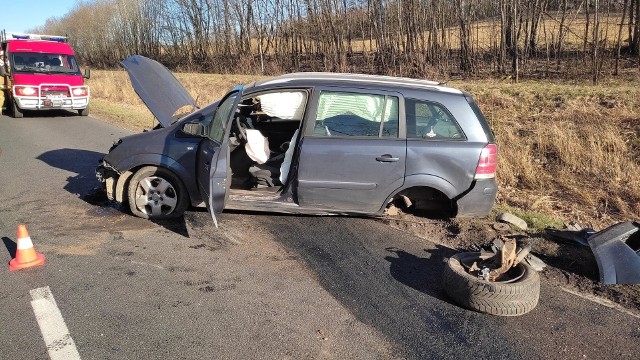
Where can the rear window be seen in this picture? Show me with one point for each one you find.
(431, 121)
(483, 122)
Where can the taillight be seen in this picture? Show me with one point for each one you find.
(488, 162)
(80, 91)
(26, 91)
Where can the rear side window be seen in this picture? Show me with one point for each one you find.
(356, 114)
(481, 119)
(431, 121)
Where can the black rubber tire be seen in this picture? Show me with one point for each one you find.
(181, 194)
(6, 103)
(495, 298)
(15, 110)
(84, 112)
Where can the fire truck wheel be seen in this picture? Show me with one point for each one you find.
(496, 298)
(83, 112)
(15, 111)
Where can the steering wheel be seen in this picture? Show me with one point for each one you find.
(241, 126)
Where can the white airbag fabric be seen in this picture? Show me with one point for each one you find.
(288, 155)
(257, 146)
(288, 105)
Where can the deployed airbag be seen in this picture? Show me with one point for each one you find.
(257, 146)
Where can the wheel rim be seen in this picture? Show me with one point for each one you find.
(156, 196)
(512, 275)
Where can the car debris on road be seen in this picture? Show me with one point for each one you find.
(513, 220)
(617, 252)
(616, 249)
(499, 281)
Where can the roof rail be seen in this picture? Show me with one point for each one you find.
(4, 36)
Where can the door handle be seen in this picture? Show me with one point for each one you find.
(387, 158)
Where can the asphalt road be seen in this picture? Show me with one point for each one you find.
(260, 287)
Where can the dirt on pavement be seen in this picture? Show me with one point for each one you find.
(570, 266)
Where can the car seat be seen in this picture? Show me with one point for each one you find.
(275, 171)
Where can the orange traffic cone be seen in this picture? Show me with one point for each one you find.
(26, 255)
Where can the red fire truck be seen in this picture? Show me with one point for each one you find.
(40, 72)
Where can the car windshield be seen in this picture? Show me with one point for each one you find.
(44, 63)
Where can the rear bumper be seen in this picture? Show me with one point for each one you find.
(479, 200)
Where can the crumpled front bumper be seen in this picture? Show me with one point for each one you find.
(107, 174)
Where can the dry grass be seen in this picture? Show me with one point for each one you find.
(114, 100)
(567, 150)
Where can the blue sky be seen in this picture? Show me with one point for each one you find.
(22, 15)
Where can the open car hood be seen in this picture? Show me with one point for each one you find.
(157, 87)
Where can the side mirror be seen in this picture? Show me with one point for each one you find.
(87, 73)
(3, 71)
(194, 128)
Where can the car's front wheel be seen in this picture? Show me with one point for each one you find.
(156, 193)
(83, 112)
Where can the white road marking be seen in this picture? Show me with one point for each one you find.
(54, 331)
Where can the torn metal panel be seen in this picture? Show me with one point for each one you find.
(616, 251)
(579, 236)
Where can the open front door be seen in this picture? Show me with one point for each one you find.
(214, 173)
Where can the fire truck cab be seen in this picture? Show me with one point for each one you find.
(40, 72)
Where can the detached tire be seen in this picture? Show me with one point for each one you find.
(495, 298)
(156, 193)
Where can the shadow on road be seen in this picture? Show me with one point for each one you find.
(45, 113)
(81, 162)
(177, 225)
(420, 273)
(85, 185)
(10, 245)
(390, 281)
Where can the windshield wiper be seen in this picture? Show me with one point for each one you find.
(63, 72)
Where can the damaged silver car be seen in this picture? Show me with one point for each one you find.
(317, 143)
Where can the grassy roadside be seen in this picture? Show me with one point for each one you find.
(567, 151)
(571, 150)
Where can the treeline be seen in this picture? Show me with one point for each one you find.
(423, 38)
